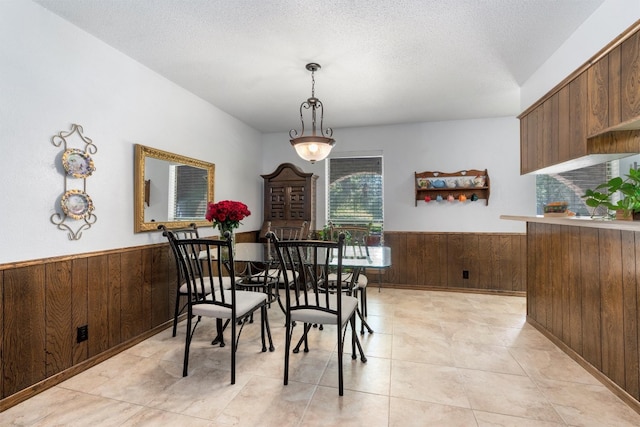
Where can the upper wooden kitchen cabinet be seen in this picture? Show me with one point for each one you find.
(529, 141)
(614, 89)
(598, 96)
(595, 110)
(630, 78)
(577, 142)
(614, 59)
(550, 145)
(289, 198)
(564, 126)
(540, 136)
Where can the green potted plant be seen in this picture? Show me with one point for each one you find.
(325, 233)
(628, 206)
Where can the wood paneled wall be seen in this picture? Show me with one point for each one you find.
(118, 294)
(583, 289)
(496, 262)
(124, 294)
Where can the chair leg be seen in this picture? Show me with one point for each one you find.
(352, 324)
(303, 339)
(219, 339)
(340, 353)
(265, 325)
(356, 341)
(185, 364)
(187, 344)
(287, 348)
(363, 300)
(233, 350)
(176, 313)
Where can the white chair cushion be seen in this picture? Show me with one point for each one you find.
(362, 281)
(346, 278)
(310, 315)
(226, 283)
(246, 301)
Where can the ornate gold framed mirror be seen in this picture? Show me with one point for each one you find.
(170, 189)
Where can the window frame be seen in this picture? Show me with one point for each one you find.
(376, 221)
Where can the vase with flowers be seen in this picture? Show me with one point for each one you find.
(226, 216)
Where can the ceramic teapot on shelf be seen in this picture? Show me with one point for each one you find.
(479, 181)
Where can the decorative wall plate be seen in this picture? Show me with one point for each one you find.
(77, 163)
(76, 204)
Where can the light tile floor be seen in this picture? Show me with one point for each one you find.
(435, 359)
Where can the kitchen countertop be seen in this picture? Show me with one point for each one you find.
(582, 221)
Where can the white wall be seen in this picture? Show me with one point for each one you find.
(604, 25)
(450, 146)
(52, 74)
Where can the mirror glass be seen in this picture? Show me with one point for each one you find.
(170, 189)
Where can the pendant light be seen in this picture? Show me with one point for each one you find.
(312, 147)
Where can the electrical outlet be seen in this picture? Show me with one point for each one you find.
(465, 274)
(83, 333)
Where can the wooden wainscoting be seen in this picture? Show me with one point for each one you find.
(495, 262)
(118, 294)
(583, 290)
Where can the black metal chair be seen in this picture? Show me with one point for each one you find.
(205, 268)
(354, 281)
(190, 232)
(307, 299)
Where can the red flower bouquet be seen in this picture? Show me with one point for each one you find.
(227, 214)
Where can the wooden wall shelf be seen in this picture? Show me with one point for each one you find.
(465, 183)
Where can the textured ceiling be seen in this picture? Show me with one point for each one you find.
(383, 62)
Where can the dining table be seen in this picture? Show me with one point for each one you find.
(355, 257)
(261, 263)
(258, 269)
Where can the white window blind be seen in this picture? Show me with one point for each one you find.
(190, 184)
(355, 194)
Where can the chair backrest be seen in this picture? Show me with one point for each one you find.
(204, 262)
(310, 262)
(190, 232)
(287, 232)
(284, 232)
(356, 239)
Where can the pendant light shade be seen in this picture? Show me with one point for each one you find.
(316, 146)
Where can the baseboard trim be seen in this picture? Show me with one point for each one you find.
(373, 284)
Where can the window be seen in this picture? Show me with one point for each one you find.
(355, 191)
(189, 184)
(571, 185)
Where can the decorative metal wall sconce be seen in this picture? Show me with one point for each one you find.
(78, 165)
